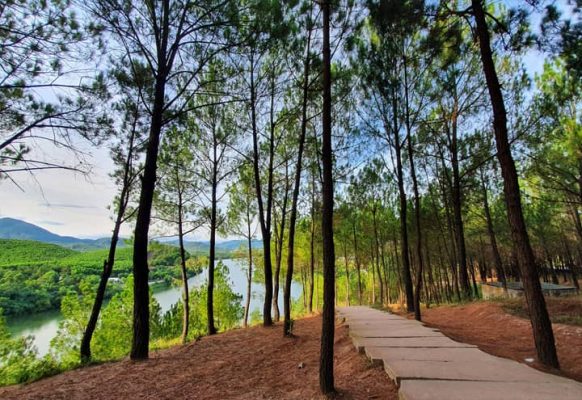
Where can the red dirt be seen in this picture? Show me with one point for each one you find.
(493, 330)
(254, 363)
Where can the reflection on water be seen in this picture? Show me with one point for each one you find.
(43, 326)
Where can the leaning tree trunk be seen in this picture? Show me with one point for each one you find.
(540, 320)
(108, 264)
(326, 383)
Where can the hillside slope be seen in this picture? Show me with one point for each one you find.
(11, 228)
(254, 363)
(27, 252)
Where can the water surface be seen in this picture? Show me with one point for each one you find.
(44, 326)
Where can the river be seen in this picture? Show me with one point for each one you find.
(43, 326)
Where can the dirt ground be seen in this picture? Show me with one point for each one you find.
(490, 327)
(254, 363)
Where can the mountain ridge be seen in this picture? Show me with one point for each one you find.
(12, 228)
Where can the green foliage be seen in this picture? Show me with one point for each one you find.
(15, 253)
(36, 41)
(35, 276)
(112, 338)
(18, 359)
(228, 311)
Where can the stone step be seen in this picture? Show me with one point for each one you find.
(427, 365)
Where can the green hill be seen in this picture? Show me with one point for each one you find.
(11, 228)
(15, 253)
(35, 276)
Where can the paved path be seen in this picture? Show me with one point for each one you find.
(427, 365)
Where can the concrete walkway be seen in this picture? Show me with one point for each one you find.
(425, 364)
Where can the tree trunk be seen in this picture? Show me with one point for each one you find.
(250, 274)
(496, 256)
(108, 264)
(406, 276)
(312, 249)
(141, 290)
(264, 222)
(457, 210)
(453, 253)
(211, 328)
(185, 294)
(359, 270)
(571, 264)
(279, 252)
(540, 320)
(295, 196)
(347, 274)
(376, 252)
(419, 270)
(326, 381)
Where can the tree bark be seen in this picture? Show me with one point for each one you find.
(406, 276)
(347, 273)
(419, 270)
(295, 195)
(492, 238)
(312, 249)
(250, 273)
(376, 252)
(264, 221)
(326, 379)
(279, 246)
(185, 294)
(211, 328)
(457, 210)
(540, 320)
(356, 260)
(141, 310)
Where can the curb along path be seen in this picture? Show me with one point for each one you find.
(427, 365)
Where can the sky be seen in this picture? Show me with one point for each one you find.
(64, 202)
(69, 203)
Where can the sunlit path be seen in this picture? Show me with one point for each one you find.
(425, 364)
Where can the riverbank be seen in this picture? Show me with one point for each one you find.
(494, 329)
(43, 327)
(247, 363)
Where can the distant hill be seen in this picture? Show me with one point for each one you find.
(27, 252)
(11, 228)
(224, 247)
(231, 245)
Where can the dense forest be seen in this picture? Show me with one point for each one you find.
(384, 151)
(35, 276)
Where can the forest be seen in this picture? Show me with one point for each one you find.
(383, 151)
(36, 276)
